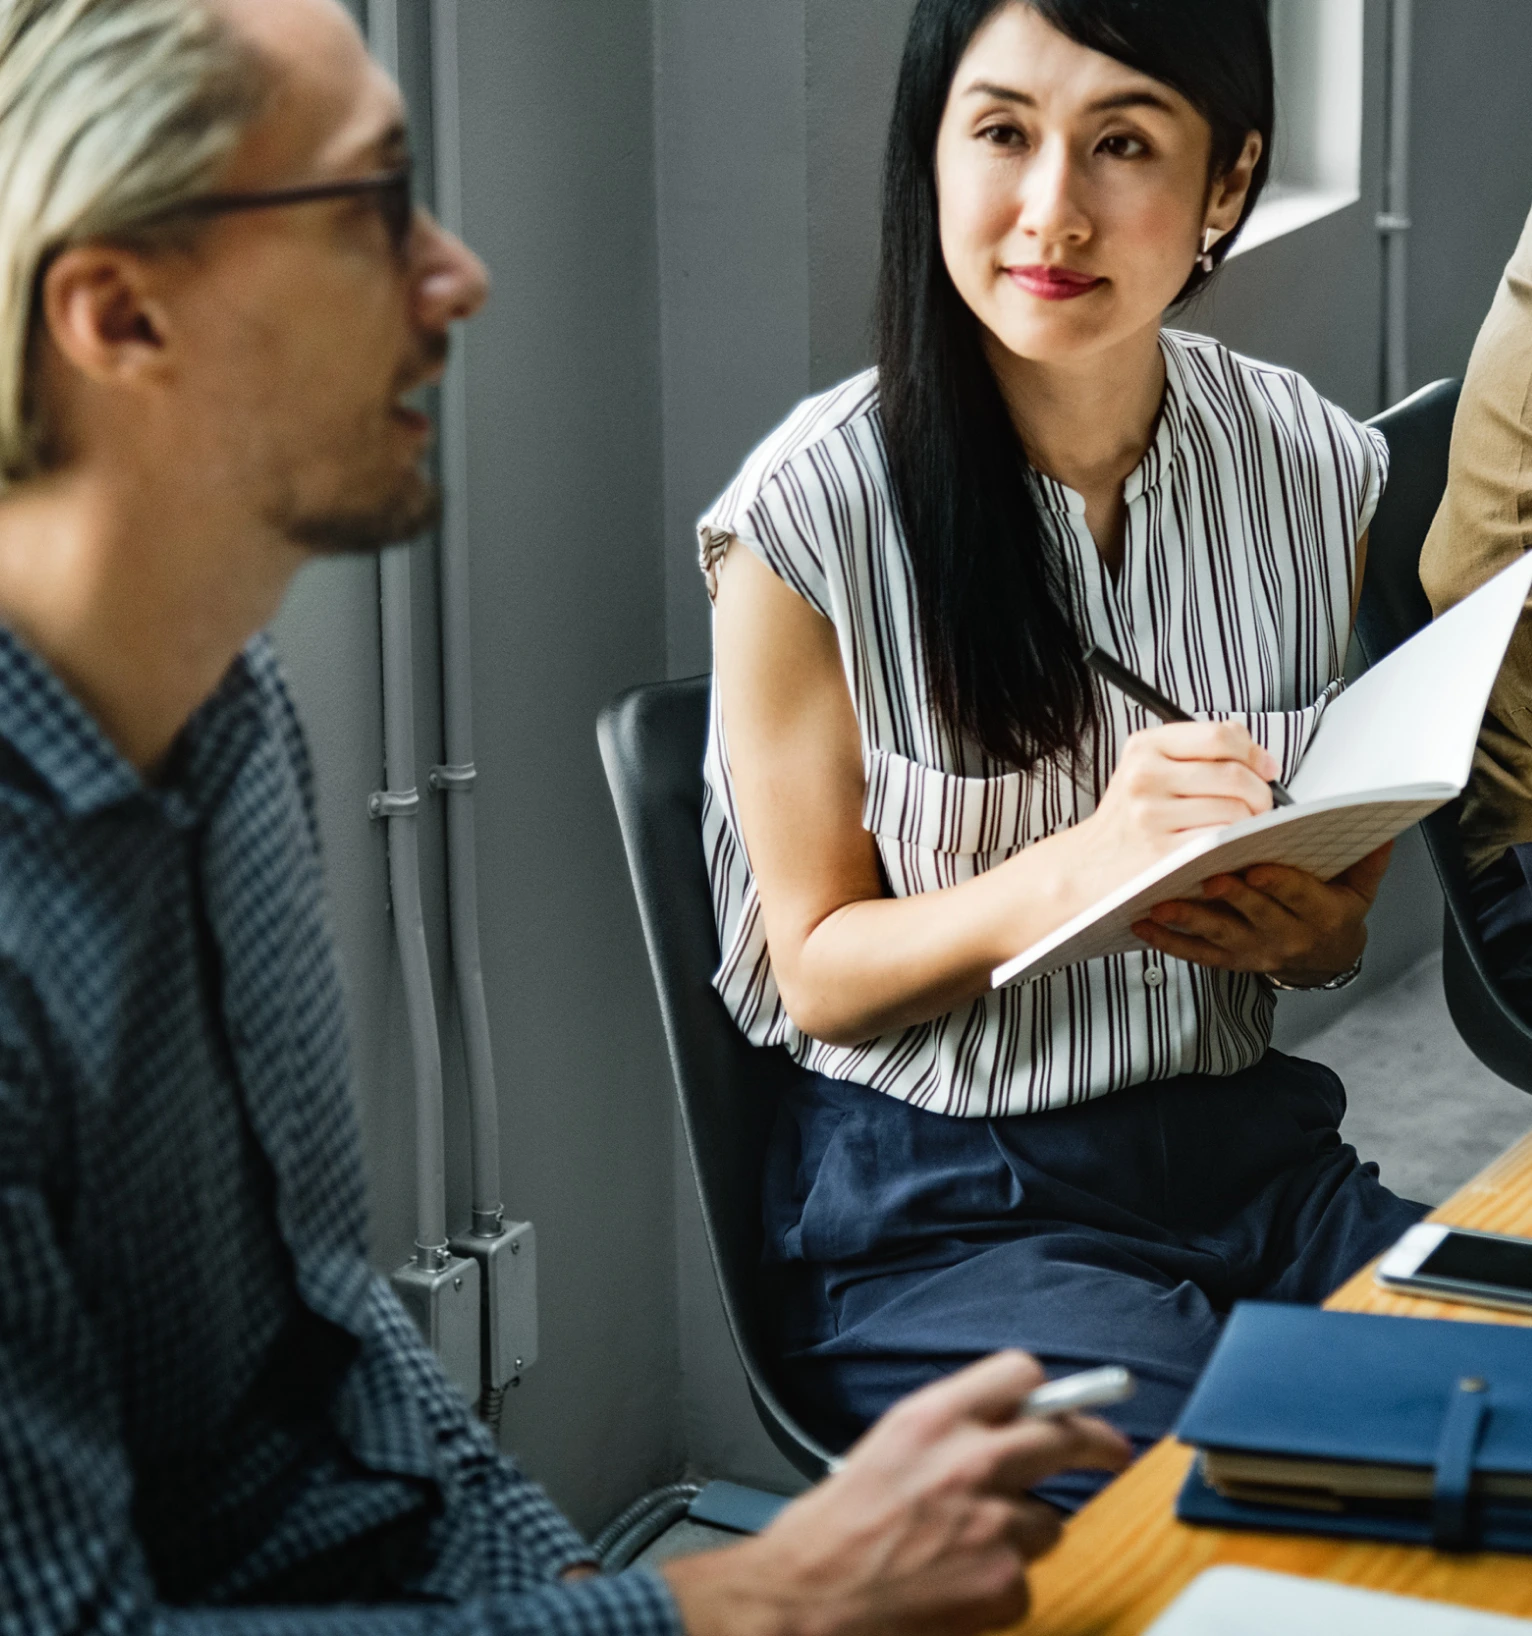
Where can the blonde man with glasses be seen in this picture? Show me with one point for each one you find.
(215, 298)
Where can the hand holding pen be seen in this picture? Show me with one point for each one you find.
(1270, 918)
(1137, 689)
(1080, 1393)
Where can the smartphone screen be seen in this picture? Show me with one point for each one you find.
(1481, 1261)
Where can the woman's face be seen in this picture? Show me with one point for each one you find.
(1073, 190)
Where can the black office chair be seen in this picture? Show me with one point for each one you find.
(1393, 608)
(652, 741)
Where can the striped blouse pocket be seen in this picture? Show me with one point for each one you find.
(935, 829)
(1286, 733)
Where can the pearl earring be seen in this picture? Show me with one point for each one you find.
(1209, 239)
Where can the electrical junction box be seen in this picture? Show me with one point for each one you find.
(507, 1263)
(444, 1302)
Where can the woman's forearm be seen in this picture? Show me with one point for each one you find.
(876, 965)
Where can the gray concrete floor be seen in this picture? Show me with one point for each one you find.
(1419, 1103)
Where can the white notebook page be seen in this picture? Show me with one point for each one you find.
(1414, 718)
(1389, 751)
(1230, 1601)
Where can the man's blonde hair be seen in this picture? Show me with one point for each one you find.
(111, 113)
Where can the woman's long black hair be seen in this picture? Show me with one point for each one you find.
(1003, 655)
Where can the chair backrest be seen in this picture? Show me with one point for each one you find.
(1419, 432)
(1393, 608)
(652, 743)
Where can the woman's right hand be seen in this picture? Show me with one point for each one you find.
(1188, 776)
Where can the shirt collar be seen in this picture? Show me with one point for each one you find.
(64, 745)
(1159, 457)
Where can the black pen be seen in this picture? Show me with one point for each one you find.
(1137, 689)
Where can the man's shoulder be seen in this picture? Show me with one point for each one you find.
(272, 687)
(264, 665)
(38, 873)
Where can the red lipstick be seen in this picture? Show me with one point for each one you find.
(1053, 283)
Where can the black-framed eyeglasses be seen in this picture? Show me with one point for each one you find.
(394, 191)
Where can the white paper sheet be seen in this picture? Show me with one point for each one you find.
(1414, 718)
(1255, 1602)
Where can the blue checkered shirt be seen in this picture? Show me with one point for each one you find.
(214, 1418)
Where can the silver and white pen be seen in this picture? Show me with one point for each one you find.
(1075, 1394)
(1069, 1394)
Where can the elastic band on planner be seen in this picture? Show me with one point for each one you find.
(1456, 1449)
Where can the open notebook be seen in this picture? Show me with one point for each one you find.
(1256, 1602)
(1392, 748)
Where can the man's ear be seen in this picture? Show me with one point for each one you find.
(101, 310)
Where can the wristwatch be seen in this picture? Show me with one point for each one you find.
(1342, 979)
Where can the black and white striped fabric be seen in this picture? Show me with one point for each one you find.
(1234, 598)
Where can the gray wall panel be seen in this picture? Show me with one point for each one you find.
(1312, 300)
(733, 257)
(1471, 164)
(564, 472)
(851, 64)
(565, 507)
(328, 636)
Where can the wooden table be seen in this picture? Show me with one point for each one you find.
(1124, 1557)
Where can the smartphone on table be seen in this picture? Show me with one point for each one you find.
(1458, 1264)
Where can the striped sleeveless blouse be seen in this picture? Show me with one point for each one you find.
(1234, 598)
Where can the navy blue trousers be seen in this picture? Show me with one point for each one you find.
(902, 1244)
(1502, 903)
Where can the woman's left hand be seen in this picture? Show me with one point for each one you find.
(1272, 919)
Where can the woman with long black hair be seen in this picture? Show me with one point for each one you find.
(911, 777)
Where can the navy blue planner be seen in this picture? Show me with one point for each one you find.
(1410, 1429)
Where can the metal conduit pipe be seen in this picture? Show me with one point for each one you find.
(632, 1532)
(456, 779)
(399, 804)
(505, 1252)
(440, 1291)
(1394, 222)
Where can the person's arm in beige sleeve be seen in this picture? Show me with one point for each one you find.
(1485, 523)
